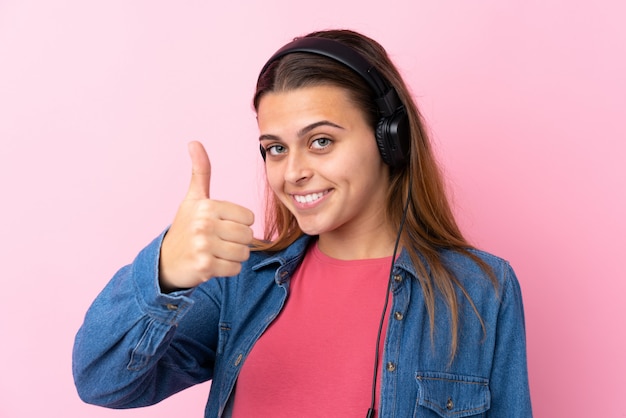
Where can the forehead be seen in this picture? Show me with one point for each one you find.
(304, 105)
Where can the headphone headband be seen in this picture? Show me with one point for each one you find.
(385, 96)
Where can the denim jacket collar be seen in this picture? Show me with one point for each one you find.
(295, 252)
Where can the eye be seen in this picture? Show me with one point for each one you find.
(321, 143)
(275, 149)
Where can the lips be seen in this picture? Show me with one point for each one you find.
(309, 198)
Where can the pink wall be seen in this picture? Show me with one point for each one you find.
(526, 102)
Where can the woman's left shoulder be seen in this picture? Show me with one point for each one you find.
(473, 264)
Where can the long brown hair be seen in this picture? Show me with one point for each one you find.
(430, 226)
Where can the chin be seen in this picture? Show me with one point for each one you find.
(317, 228)
(310, 229)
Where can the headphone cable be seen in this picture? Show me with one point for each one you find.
(371, 411)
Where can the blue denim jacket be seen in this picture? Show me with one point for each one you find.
(137, 346)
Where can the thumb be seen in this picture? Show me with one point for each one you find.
(200, 184)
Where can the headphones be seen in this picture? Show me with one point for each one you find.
(392, 130)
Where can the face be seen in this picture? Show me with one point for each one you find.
(322, 161)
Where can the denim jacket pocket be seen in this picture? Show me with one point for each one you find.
(453, 395)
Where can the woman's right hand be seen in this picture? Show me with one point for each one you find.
(208, 238)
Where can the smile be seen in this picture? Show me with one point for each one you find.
(309, 198)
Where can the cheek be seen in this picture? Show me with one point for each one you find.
(274, 179)
(363, 165)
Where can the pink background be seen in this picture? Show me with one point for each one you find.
(526, 102)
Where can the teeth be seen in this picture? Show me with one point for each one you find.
(308, 198)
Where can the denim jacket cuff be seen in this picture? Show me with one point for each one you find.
(168, 308)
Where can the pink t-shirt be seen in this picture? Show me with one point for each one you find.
(317, 358)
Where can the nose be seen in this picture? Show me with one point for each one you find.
(298, 168)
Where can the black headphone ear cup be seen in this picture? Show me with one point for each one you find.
(382, 141)
(393, 138)
(263, 152)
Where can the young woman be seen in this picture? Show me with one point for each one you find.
(363, 298)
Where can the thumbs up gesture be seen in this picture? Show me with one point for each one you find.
(208, 238)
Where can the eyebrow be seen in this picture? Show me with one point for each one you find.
(304, 130)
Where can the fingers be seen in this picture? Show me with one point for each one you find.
(227, 211)
(220, 268)
(234, 232)
(200, 185)
(222, 229)
(232, 252)
(219, 248)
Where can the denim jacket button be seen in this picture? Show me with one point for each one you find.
(397, 278)
(449, 404)
(171, 307)
(398, 316)
(391, 367)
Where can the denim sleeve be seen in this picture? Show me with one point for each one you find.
(138, 346)
(510, 395)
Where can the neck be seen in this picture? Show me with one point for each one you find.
(358, 245)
